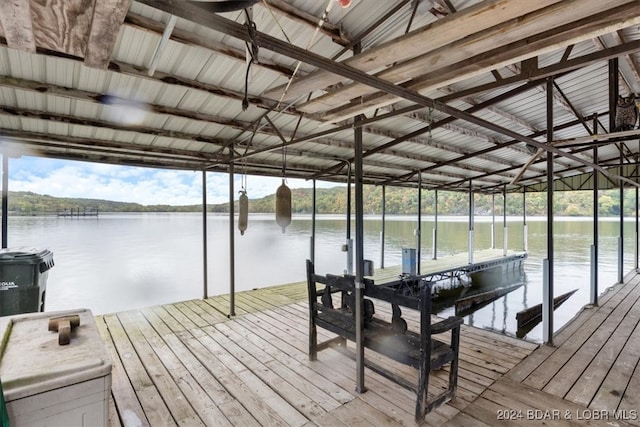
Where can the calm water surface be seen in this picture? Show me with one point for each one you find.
(124, 261)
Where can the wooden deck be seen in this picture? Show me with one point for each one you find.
(590, 377)
(187, 364)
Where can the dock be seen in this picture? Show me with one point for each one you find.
(188, 364)
(487, 263)
(78, 212)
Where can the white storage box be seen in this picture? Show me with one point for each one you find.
(47, 384)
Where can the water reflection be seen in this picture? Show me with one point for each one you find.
(126, 261)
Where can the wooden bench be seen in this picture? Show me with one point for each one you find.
(391, 339)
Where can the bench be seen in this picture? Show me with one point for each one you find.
(391, 339)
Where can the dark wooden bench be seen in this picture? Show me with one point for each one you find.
(391, 339)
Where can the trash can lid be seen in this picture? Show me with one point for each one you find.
(41, 257)
(25, 255)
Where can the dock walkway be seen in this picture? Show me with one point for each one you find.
(188, 364)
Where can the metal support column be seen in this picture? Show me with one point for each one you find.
(312, 250)
(435, 228)
(547, 292)
(493, 221)
(232, 247)
(637, 241)
(594, 246)
(613, 101)
(384, 211)
(349, 241)
(635, 255)
(505, 234)
(525, 231)
(5, 198)
(419, 229)
(205, 258)
(359, 244)
(471, 209)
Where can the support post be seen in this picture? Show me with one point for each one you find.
(312, 249)
(349, 242)
(635, 257)
(493, 221)
(594, 275)
(359, 284)
(5, 198)
(435, 228)
(594, 247)
(205, 258)
(547, 299)
(232, 246)
(613, 101)
(471, 209)
(505, 235)
(419, 229)
(384, 210)
(525, 230)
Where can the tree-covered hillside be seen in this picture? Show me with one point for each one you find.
(399, 201)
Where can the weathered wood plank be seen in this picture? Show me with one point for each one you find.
(456, 26)
(230, 407)
(516, 29)
(262, 391)
(235, 386)
(121, 389)
(579, 358)
(609, 314)
(114, 419)
(188, 311)
(205, 312)
(602, 361)
(515, 395)
(620, 383)
(464, 420)
(15, 16)
(250, 333)
(608, 300)
(178, 404)
(299, 392)
(108, 16)
(62, 25)
(155, 409)
(487, 61)
(195, 395)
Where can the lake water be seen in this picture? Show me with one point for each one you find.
(119, 262)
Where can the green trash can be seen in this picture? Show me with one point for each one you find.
(23, 279)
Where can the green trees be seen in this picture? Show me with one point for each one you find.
(399, 201)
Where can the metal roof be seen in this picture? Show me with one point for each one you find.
(452, 90)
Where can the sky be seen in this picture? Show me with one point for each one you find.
(147, 186)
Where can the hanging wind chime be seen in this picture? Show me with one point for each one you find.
(283, 198)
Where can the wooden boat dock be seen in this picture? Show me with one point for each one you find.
(188, 364)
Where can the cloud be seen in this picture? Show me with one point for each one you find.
(61, 178)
